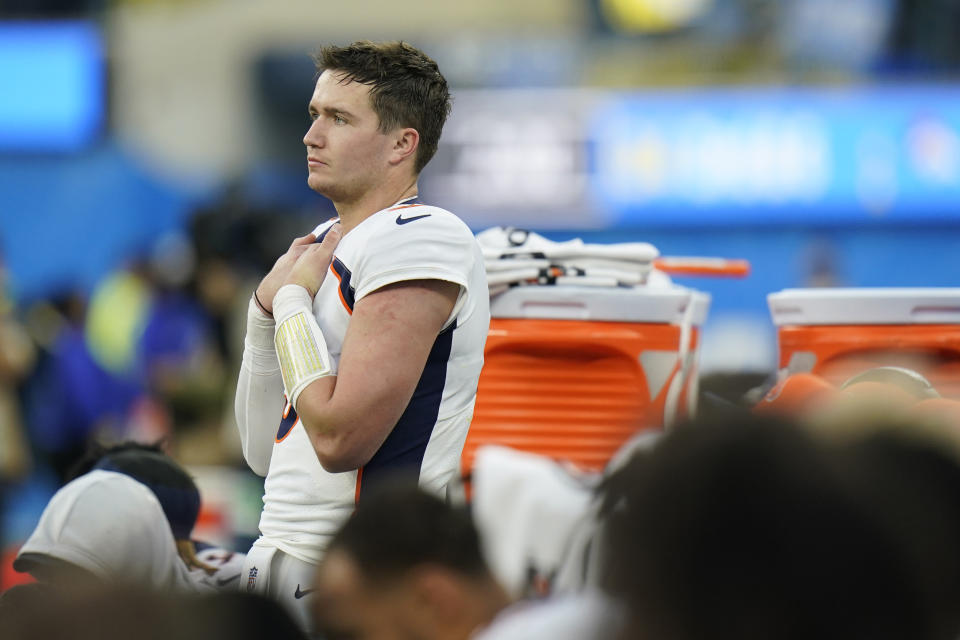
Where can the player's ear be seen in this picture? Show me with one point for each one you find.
(437, 591)
(405, 144)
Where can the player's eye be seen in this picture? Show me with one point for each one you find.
(339, 119)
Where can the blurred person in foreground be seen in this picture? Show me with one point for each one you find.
(899, 443)
(115, 612)
(747, 527)
(372, 369)
(406, 565)
(910, 479)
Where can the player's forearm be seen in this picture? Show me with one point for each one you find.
(344, 435)
(259, 396)
(258, 405)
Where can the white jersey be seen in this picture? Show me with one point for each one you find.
(304, 505)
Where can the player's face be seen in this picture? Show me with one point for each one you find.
(346, 153)
(349, 607)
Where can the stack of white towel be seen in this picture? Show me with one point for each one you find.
(518, 257)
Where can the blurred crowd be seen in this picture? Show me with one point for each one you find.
(150, 354)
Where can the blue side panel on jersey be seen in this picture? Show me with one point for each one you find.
(402, 452)
(345, 289)
(286, 424)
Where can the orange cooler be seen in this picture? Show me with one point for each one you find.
(837, 333)
(572, 372)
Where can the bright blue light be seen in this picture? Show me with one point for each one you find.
(52, 85)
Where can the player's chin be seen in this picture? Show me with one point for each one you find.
(317, 183)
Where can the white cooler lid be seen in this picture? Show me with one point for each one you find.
(865, 306)
(611, 304)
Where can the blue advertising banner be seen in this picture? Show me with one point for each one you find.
(735, 156)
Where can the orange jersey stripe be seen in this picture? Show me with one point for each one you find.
(356, 495)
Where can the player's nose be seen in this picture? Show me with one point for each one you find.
(314, 136)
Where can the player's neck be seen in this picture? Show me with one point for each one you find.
(353, 213)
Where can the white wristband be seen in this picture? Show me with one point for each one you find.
(300, 346)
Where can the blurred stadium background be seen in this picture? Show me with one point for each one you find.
(151, 168)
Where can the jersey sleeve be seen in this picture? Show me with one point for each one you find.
(435, 246)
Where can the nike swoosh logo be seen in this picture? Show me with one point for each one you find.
(299, 594)
(402, 220)
(225, 581)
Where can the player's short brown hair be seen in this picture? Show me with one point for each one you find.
(397, 526)
(406, 87)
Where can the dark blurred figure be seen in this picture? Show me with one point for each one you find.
(236, 241)
(147, 325)
(925, 37)
(728, 391)
(70, 399)
(59, 9)
(181, 354)
(406, 565)
(177, 350)
(912, 484)
(229, 242)
(17, 359)
(821, 263)
(744, 528)
(37, 612)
